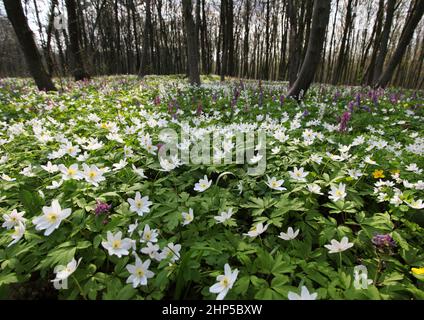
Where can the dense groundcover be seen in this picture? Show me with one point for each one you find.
(88, 212)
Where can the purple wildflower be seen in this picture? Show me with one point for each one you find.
(366, 108)
(394, 98)
(336, 96)
(157, 100)
(351, 106)
(102, 207)
(358, 100)
(199, 109)
(261, 96)
(383, 241)
(344, 121)
(282, 98)
(214, 97)
(170, 107)
(241, 85)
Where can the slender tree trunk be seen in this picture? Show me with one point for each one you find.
(320, 17)
(146, 59)
(377, 32)
(230, 37)
(78, 69)
(341, 60)
(404, 40)
(265, 70)
(382, 51)
(136, 37)
(224, 34)
(204, 40)
(192, 43)
(295, 42)
(332, 43)
(16, 15)
(283, 48)
(246, 39)
(49, 60)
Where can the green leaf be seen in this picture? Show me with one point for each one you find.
(8, 278)
(279, 281)
(242, 285)
(264, 294)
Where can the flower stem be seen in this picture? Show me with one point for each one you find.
(363, 173)
(377, 271)
(79, 287)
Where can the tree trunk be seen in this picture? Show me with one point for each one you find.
(341, 60)
(265, 69)
(192, 43)
(404, 40)
(246, 40)
(230, 37)
(16, 15)
(146, 59)
(78, 69)
(377, 31)
(320, 17)
(136, 42)
(294, 42)
(382, 51)
(224, 34)
(47, 54)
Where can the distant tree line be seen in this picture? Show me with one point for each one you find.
(354, 42)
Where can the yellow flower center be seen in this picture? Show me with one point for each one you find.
(52, 217)
(92, 174)
(148, 235)
(116, 244)
(71, 172)
(225, 282)
(140, 272)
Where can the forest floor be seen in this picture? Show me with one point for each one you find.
(117, 188)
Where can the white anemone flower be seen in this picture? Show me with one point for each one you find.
(140, 205)
(51, 218)
(336, 246)
(63, 273)
(290, 235)
(304, 295)
(139, 272)
(225, 282)
(203, 184)
(115, 245)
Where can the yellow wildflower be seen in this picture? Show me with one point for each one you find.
(418, 270)
(378, 174)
